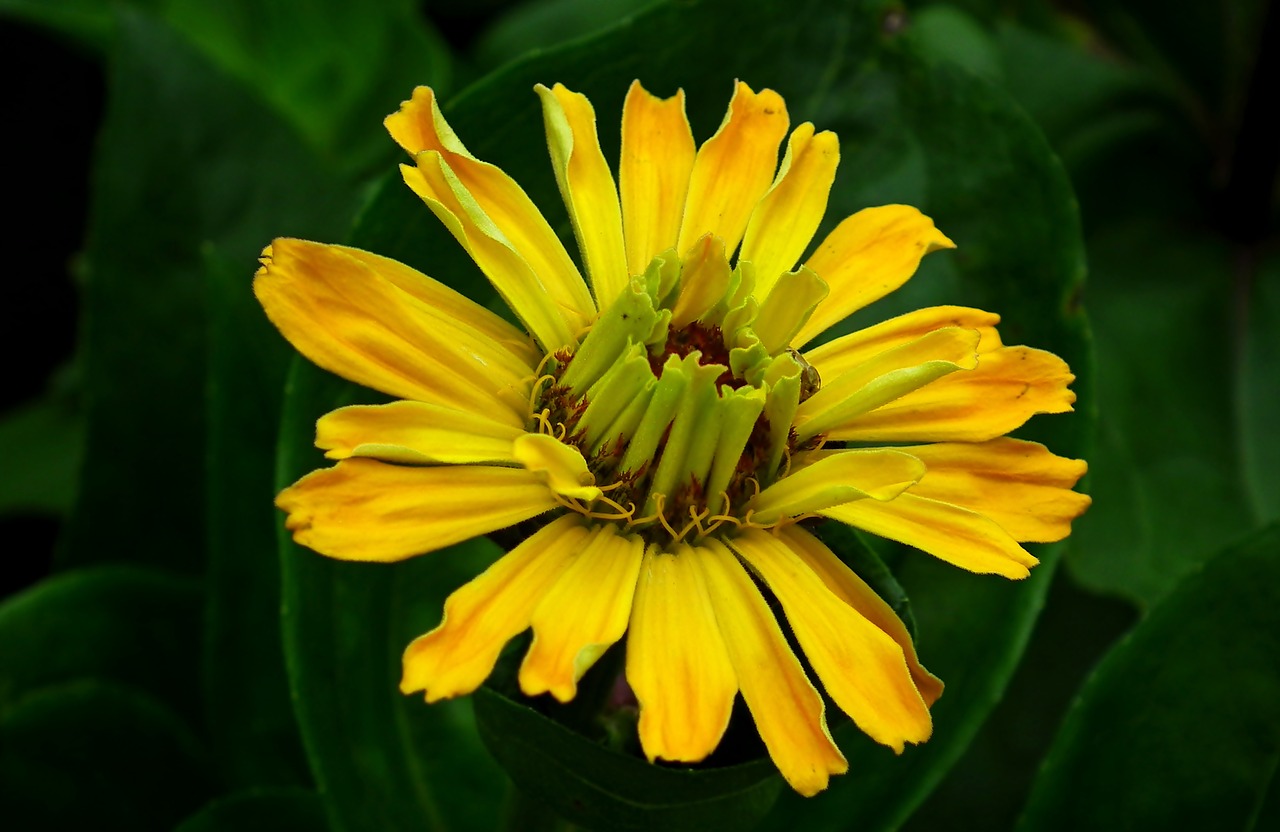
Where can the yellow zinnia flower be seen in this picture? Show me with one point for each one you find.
(666, 426)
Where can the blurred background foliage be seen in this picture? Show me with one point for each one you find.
(165, 664)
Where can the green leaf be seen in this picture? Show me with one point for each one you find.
(120, 623)
(186, 156)
(332, 69)
(542, 24)
(97, 755)
(253, 731)
(89, 22)
(40, 448)
(943, 32)
(934, 138)
(597, 788)
(1204, 52)
(380, 760)
(1177, 728)
(1118, 126)
(1257, 394)
(259, 810)
(1167, 476)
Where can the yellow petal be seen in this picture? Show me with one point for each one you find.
(851, 589)
(534, 303)
(362, 509)
(842, 354)
(496, 204)
(866, 257)
(734, 168)
(957, 535)
(586, 184)
(704, 279)
(560, 466)
(887, 377)
(657, 158)
(784, 221)
(863, 670)
(1020, 485)
(450, 304)
(677, 662)
(415, 433)
(583, 614)
(1008, 387)
(787, 709)
(482, 615)
(342, 314)
(836, 478)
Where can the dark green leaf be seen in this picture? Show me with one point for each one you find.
(259, 810)
(1204, 51)
(186, 156)
(1167, 475)
(945, 33)
(40, 448)
(89, 22)
(1258, 394)
(333, 69)
(381, 760)
(1178, 727)
(128, 625)
(97, 755)
(254, 734)
(597, 788)
(1118, 127)
(542, 24)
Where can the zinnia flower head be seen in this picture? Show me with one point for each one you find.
(665, 423)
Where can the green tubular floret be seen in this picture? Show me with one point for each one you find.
(686, 455)
(612, 393)
(630, 319)
(739, 409)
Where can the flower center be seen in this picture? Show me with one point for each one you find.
(681, 408)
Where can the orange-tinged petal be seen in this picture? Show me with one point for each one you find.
(550, 322)
(586, 184)
(862, 668)
(948, 532)
(888, 376)
(583, 614)
(482, 615)
(848, 351)
(836, 478)
(734, 168)
(851, 589)
(1020, 485)
(677, 662)
(362, 509)
(784, 221)
(787, 709)
(415, 433)
(451, 304)
(342, 314)
(657, 158)
(495, 197)
(866, 257)
(1008, 387)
